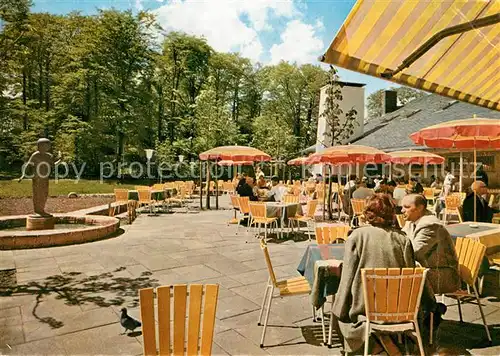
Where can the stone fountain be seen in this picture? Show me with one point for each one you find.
(43, 229)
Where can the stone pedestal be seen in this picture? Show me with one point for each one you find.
(39, 223)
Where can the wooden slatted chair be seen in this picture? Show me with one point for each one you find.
(401, 220)
(392, 299)
(158, 186)
(258, 216)
(180, 198)
(290, 198)
(430, 195)
(332, 234)
(198, 323)
(286, 288)
(358, 206)
(470, 255)
(145, 198)
(452, 205)
(244, 204)
(121, 198)
(236, 207)
(307, 218)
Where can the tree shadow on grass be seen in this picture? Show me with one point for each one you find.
(75, 288)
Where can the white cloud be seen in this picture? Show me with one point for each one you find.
(299, 43)
(138, 5)
(221, 21)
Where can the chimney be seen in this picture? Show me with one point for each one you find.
(390, 101)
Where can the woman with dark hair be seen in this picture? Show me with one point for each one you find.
(378, 244)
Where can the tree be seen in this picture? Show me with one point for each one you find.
(341, 126)
(375, 101)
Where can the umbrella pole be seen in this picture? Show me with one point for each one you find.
(461, 171)
(208, 185)
(216, 186)
(475, 169)
(324, 190)
(201, 186)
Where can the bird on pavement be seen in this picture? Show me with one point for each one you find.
(128, 322)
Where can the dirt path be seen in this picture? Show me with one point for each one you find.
(22, 206)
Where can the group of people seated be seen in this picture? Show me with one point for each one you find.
(378, 243)
(399, 188)
(270, 191)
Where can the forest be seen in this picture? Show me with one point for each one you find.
(105, 87)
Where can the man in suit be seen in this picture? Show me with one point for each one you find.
(483, 212)
(434, 249)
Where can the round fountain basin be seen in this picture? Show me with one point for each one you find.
(68, 230)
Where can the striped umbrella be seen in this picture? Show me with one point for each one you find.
(235, 153)
(415, 157)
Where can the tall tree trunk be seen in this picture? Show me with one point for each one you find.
(235, 103)
(40, 83)
(47, 84)
(25, 115)
(161, 110)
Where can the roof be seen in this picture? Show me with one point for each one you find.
(443, 47)
(347, 84)
(390, 132)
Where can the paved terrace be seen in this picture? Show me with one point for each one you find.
(70, 297)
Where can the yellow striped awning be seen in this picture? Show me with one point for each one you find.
(378, 35)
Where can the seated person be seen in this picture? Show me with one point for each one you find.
(247, 189)
(261, 183)
(437, 184)
(375, 245)
(398, 194)
(390, 186)
(483, 212)
(277, 191)
(434, 249)
(381, 187)
(242, 181)
(362, 192)
(416, 187)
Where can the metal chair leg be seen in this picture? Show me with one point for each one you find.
(460, 310)
(323, 328)
(266, 292)
(482, 314)
(267, 318)
(419, 339)
(431, 333)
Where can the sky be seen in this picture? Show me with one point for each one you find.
(266, 31)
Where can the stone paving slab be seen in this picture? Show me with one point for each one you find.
(81, 289)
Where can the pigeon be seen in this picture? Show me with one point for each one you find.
(128, 322)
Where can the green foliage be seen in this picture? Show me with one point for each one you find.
(341, 126)
(103, 89)
(375, 101)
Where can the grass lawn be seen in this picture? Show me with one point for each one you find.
(13, 189)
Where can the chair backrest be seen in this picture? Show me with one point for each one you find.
(429, 193)
(290, 198)
(257, 210)
(452, 201)
(401, 220)
(311, 208)
(358, 206)
(331, 234)
(470, 254)
(461, 195)
(121, 195)
(244, 204)
(197, 324)
(158, 186)
(234, 201)
(272, 276)
(144, 195)
(392, 294)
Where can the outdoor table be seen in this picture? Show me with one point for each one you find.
(487, 234)
(283, 211)
(316, 267)
(158, 195)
